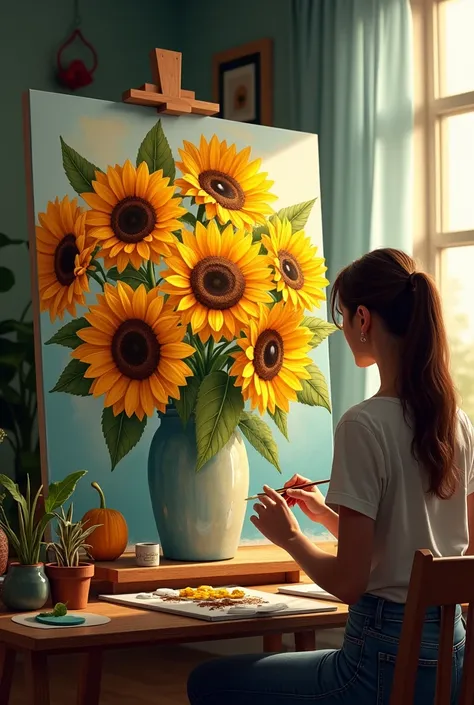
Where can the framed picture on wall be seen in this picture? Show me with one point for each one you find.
(243, 83)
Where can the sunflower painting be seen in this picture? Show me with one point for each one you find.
(231, 188)
(132, 215)
(216, 280)
(179, 271)
(64, 257)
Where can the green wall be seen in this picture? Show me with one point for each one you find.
(211, 27)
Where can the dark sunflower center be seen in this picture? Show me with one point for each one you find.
(135, 349)
(268, 354)
(291, 270)
(64, 260)
(133, 219)
(224, 188)
(217, 283)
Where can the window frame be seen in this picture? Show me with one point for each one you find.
(430, 237)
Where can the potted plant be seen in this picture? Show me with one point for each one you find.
(69, 577)
(26, 586)
(18, 405)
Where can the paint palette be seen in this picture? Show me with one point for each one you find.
(255, 603)
(67, 620)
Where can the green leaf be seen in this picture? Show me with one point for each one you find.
(7, 416)
(297, 215)
(23, 330)
(218, 409)
(10, 395)
(29, 460)
(320, 329)
(67, 335)
(258, 433)
(257, 233)
(5, 240)
(7, 279)
(12, 354)
(281, 421)
(59, 492)
(13, 489)
(156, 152)
(190, 219)
(80, 172)
(72, 380)
(7, 373)
(131, 276)
(315, 390)
(30, 380)
(121, 433)
(185, 405)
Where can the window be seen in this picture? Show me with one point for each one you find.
(444, 52)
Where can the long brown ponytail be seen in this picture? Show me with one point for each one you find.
(387, 283)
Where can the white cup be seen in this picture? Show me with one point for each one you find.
(147, 554)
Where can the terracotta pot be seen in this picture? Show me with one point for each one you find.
(3, 552)
(70, 585)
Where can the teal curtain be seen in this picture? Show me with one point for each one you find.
(352, 85)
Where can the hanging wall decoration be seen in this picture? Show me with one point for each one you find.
(75, 73)
(243, 82)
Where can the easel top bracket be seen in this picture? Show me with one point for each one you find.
(165, 93)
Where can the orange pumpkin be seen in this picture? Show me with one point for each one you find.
(109, 540)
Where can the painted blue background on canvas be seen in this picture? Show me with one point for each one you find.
(107, 134)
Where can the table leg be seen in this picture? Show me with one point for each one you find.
(273, 643)
(88, 692)
(7, 665)
(37, 678)
(305, 641)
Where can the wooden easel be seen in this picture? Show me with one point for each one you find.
(165, 93)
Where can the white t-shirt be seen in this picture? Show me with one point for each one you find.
(374, 473)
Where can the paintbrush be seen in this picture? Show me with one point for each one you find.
(282, 490)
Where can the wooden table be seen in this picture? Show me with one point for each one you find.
(135, 627)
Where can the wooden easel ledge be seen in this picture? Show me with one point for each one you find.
(165, 93)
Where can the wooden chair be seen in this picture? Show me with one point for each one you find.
(443, 582)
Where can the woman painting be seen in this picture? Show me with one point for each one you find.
(402, 479)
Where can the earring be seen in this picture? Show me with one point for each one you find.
(363, 339)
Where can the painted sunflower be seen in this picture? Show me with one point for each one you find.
(133, 215)
(217, 280)
(231, 188)
(134, 348)
(297, 271)
(274, 358)
(64, 256)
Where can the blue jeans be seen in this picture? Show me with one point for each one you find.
(360, 673)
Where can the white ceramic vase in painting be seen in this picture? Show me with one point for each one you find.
(199, 515)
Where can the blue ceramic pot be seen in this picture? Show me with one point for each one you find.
(199, 515)
(25, 587)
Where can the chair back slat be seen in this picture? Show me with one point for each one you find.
(445, 656)
(435, 582)
(467, 684)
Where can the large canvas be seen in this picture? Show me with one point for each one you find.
(61, 127)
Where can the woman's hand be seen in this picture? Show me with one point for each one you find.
(274, 519)
(310, 501)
